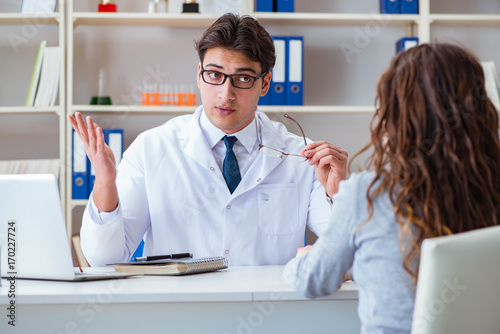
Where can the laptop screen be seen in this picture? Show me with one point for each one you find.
(33, 238)
(458, 284)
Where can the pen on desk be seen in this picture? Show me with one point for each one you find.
(162, 257)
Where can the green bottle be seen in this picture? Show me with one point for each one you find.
(101, 98)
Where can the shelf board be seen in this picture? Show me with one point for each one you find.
(303, 19)
(30, 110)
(131, 109)
(31, 18)
(183, 110)
(318, 109)
(478, 20)
(144, 19)
(205, 20)
(78, 202)
(335, 19)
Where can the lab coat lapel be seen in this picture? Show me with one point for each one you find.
(193, 142)
(264, 164)
(259, 170)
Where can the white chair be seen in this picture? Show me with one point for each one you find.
(458, 289)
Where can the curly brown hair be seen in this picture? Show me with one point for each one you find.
(436, 147)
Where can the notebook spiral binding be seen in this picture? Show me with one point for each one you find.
(204, 264)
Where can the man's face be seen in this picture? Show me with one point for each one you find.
(227, 107)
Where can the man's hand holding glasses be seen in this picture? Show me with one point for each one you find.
(330, 161)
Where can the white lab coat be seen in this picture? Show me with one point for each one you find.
(172, 192)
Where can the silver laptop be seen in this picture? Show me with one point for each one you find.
(33, 239)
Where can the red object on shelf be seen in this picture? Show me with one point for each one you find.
(107, 7)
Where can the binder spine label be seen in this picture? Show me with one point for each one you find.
(80, 175)
(278, 79)
(295, 61)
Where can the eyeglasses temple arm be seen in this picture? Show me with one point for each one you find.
(303, 135)
(257, 130)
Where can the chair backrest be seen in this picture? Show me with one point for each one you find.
(458, 289)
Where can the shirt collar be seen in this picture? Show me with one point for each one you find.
(247, 136)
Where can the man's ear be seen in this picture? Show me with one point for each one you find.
(198, 76)
(266, 83)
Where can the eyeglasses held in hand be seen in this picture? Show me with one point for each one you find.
(277, 153)
(242, 81)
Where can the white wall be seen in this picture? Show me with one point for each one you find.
(130, 54)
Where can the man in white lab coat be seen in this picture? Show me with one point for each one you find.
(171, 188)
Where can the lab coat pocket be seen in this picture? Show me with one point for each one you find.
(278, 208)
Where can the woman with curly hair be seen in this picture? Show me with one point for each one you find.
(434, 171)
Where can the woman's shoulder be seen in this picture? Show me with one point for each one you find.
(357, 181)
(353, 193)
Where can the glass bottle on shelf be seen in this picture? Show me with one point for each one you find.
(158, 6)
(101, 98)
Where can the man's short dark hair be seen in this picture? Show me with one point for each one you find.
(243, 34)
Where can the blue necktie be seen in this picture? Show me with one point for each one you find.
(230, 168)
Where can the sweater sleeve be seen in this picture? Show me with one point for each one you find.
(322, 270)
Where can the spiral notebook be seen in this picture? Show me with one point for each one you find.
(173, 267)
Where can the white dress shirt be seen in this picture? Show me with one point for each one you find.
(172, 193)
(245, 148)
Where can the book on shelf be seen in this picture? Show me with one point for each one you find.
(38, 6)
(173, 267)
(35, 75)
(49, 78)
(491, 82)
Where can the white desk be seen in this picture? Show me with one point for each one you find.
(237, 300)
